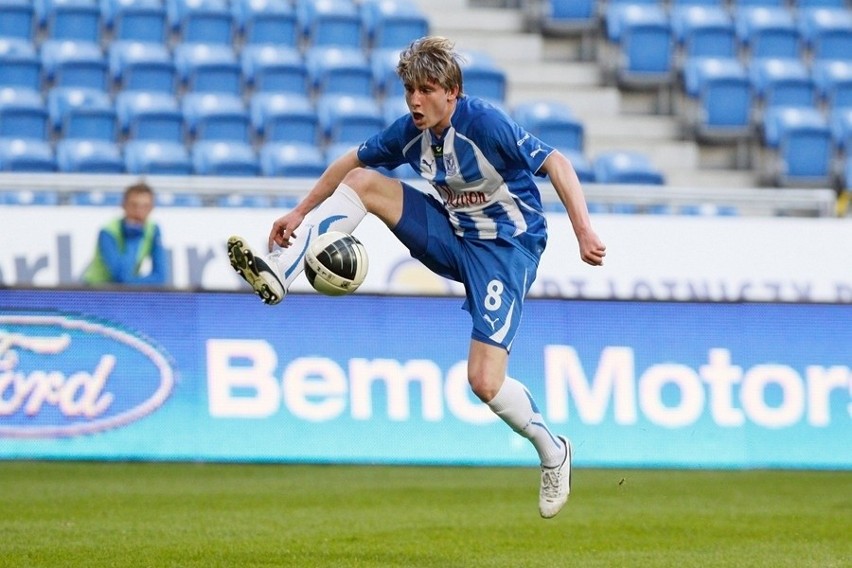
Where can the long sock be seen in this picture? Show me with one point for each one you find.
(342, 211)
(515, 405)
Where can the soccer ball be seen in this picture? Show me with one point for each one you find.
(336, 263)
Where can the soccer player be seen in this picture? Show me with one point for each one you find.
(487, 231)
(129, 243)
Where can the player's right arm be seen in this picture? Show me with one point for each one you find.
(283, 228)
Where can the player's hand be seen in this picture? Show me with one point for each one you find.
(283, 229)
(592, 250)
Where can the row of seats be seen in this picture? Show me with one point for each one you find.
(367, 23)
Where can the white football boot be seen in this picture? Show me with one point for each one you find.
(254, 270)
(555, 485)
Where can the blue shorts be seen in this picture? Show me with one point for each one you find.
(496, 274)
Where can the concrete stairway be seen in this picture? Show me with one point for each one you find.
(547, 68)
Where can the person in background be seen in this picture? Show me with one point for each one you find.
(130, 249)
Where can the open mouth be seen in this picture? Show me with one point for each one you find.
(417, 116)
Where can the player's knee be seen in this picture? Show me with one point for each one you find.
(483, 386)
(361, 180)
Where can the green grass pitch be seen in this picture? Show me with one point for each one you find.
(236, 515)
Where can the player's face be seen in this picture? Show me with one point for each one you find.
(431, 105)
(137, 207)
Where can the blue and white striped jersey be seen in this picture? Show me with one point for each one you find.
(482, 167)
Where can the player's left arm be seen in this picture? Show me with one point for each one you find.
(567, 185)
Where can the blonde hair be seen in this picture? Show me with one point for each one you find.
(431, 58)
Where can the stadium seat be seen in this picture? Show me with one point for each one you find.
(266, 22)
(800, 139)
(614, 15)
(135, 20)
(174, 199)
(86, 114)
(74, 64)
(149, 116)
(392, 24)
(552, 122)
(220, 158)
(270, 68)
(28, 197)
(703, 31)
(291, 159)
(827, 32)
(335, 70)
(20, 65)
(204, 68)
(566, 17)
(22, 114)
(720, 98)
(782, 82)
(393, 108)
(383, 62)
(623, 167)
(349, 119)
(17, 19)
(26, 155)
(157, 157)
(646, 48)
(137, 66)
(77, 20)
(768, 32)
(330, 23)
(201, 21)
(483, 77)
(841, 130)
(216, 116)
(89, 156)
(284, 117)
(95, 198)
(833, 80)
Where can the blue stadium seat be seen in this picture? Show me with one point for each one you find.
(284, 117)
(26, 197)
(393, 108)
(551, 121)
(383, 62)
(335, 70)
(17, 19)
(615, 12)
(67, 63)
(568, 17)
(833, 80)
(157, 157)
(291, 159)
(206, 68)
(137, 66)
(175, 199)
(344, 118)
(330, 23)
(82, 114)
(827, 32)
(646, 48)
(782, 82)
(26, 155)
(392, 24)
(722, 97)
(623, 167)
(274, 69)
(78, 20)
(216, 116)
(135, 20)
(840, 122)
(22, 114)
(245, 200)
(89, 156)
(149, 116)
(95, 198)
(483, 77)
(768, 32)
(220, 158)
(801, 141)
(201, 21)
(703, 31)
(266, 22)
(20, 65)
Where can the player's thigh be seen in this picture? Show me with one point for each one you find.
(497, 279)
(426, 232)
(381, 195)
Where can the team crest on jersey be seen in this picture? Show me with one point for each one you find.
(451, 166)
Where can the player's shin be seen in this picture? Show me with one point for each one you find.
(342, 211)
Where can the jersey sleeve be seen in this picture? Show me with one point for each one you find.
(383, 149)
(519, 149)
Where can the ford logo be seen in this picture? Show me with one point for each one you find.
(64, 375)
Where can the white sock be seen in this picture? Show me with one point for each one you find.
(342, 211)
(515, 405)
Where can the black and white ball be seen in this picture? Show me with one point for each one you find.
(336, 263)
